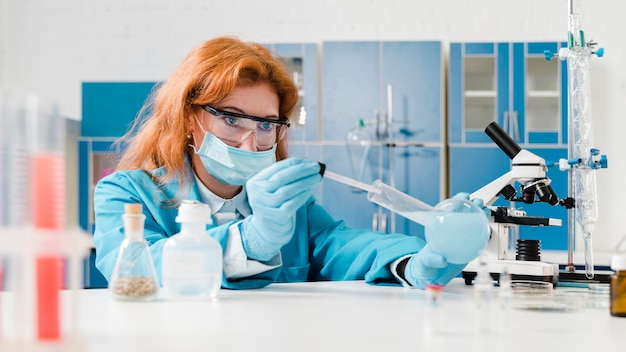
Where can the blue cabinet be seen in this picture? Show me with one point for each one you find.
(302, 61)
(514, 85)
(109, 109)
(396, 88)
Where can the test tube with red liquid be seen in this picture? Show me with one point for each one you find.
(46, 135)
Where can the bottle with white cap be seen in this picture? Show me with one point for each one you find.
(192, 260)
(618, 282)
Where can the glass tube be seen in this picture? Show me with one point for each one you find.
(46, 134)
(581, 139)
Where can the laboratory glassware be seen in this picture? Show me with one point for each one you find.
(583, 158)
(192, 260)
(583, 175)
(618, 281)
(483, 299)
(46, 153)
(14, 188)
(358, 143)
(433, 323)
(455, 228)
(134, 277)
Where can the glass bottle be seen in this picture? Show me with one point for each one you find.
(134, 277)
(618, 285)
(358, 143)
(192, 260)
(432, 309)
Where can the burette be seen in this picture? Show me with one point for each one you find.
(583, 158)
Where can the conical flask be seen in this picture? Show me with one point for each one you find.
(134, 277)
(358, 143)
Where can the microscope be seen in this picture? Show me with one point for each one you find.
(529, 171)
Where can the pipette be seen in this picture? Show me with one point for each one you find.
(454, 220)
(389, 198)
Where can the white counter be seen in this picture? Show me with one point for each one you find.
(324, 316)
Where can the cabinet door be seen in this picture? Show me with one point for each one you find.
(301, 59)
(109, 108)
(472, 167)
(357, 80)
(540, 94)
(350, 86)
(412, 73)
(416, 170)
(511, 83)
(473, 95)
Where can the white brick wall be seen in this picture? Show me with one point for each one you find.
(49, 47)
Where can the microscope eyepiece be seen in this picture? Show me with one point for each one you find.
(502, 139)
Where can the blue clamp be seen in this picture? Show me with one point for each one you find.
(574, 161)
(548, 54)
(599, 52)
(594, 163)
(603, 162)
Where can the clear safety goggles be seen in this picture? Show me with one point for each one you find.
(233, 128)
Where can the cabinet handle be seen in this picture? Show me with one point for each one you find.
(511, 125)
(381, 125)
(379, 222)
(505, 121)
(515, 126)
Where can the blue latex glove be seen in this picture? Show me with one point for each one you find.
(427, 267)
(477, 201)
(275, 194)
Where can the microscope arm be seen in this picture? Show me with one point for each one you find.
(491, 191)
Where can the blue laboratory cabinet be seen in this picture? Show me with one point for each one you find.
(396, 88)
(514, 85)
(108, 110)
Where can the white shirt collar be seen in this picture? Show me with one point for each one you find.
(221, 205)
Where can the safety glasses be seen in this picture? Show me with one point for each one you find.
(233, 128)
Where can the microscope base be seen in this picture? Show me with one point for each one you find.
(518, 269)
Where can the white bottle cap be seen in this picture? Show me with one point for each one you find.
(618, 262)
(195, 212)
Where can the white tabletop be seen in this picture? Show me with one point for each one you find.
(326, 316)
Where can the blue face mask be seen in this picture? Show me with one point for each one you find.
(230, 165)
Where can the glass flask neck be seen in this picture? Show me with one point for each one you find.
(133, 226)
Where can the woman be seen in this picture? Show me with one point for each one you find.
(215, 132)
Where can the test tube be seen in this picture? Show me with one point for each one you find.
(14, 207)
(13, 160)
(46, 131)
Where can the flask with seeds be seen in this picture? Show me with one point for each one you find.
(134, 277)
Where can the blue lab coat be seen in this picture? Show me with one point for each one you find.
(322, 248)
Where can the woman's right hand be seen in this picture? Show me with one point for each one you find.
(275, 195)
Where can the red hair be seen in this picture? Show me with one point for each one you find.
(204, 77)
